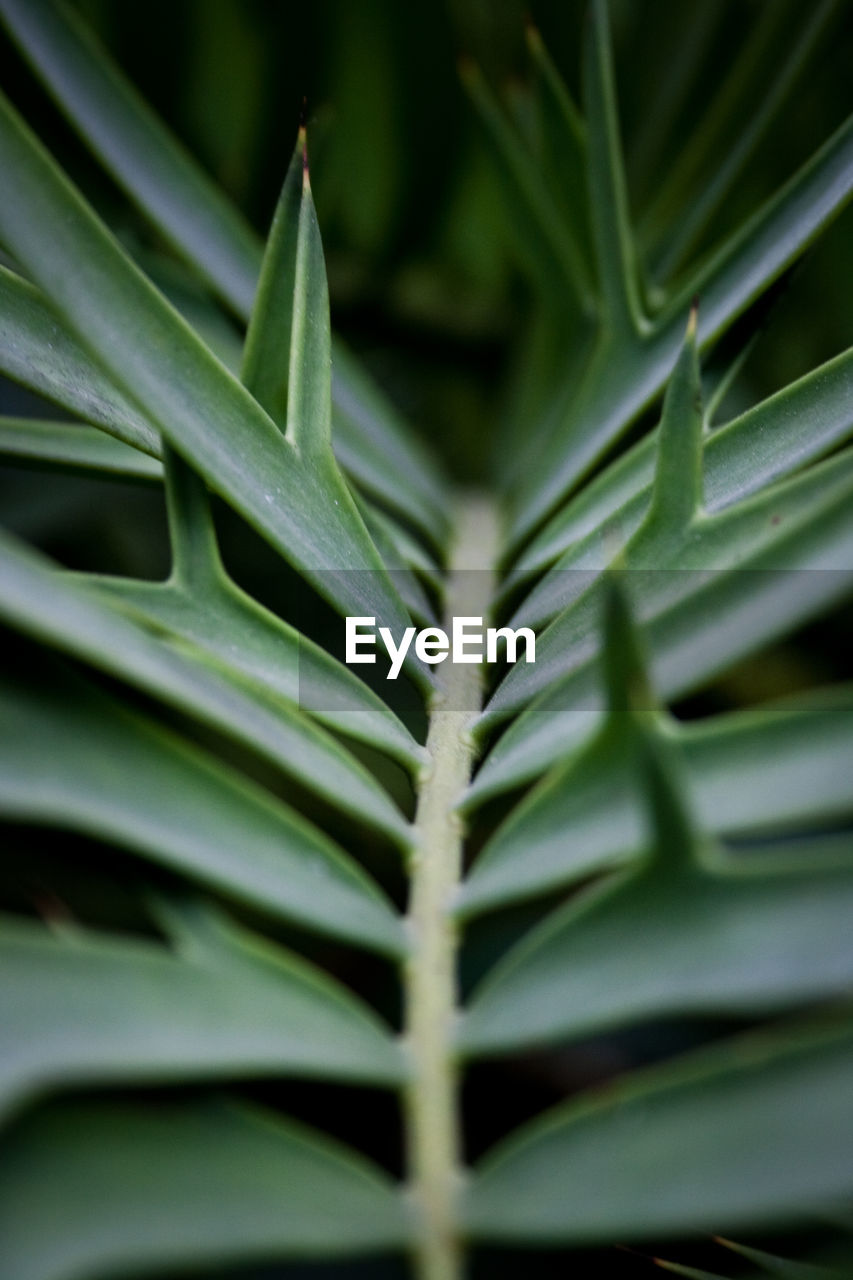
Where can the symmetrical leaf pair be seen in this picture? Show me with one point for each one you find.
(724, 538)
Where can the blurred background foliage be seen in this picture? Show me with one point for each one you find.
(434, 279)
(430, 279)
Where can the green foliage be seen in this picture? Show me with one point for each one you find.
(222, 819)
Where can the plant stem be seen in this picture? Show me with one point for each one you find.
(433, 1136)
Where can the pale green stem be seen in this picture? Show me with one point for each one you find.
(433, 1137)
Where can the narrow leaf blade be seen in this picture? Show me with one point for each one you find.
(41, 602)
(73, 758)
(90, 1010)
(750, 774)
(770, 1126)
(108, 1187)
(306, 512)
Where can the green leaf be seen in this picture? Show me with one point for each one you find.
(669, 564)
(562, 136)
(142, 1174)
(38, 600)
(764, 444)
(784, 767)
(553, 247)
(758, 251)
(190, 211)
(87, 1009)
(266, 354)
(292, 315)
(302, 506)
(688, 931)
(210, 611)
(200, 604)
(394, 547)
(677, 490)
(681, 48)
(138, 151)
(621, 382)
(216, 615)
(309, 397)
(376, 446)
(676, 499)
(37, 351)
(102, 1187)
(74, 447)
(399, 547)
(248, 642)
(73, 758)
(773, 58)
(657, 535)
(770, 1124)
(608, 194)
(732, 615)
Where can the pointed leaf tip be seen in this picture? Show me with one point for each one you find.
(679, 483)
(692, 319)
(628, 686)
(264, 371)
(302, 143)
(675, 836)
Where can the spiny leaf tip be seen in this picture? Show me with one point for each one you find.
(671, 821)
(303, 143)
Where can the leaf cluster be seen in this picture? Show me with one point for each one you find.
(583, 864)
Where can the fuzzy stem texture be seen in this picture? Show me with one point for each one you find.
(433, 1131)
